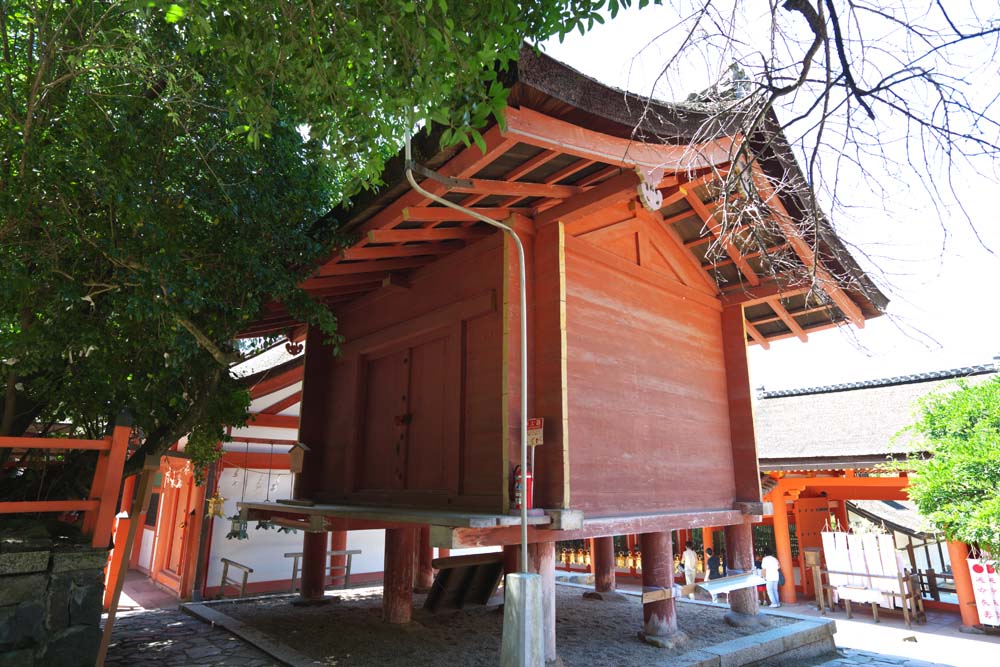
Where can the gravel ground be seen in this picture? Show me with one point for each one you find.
(350, 632)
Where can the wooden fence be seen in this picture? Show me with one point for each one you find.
(101, 505)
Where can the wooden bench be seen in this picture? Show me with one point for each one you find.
(346, 567)
(242, 582)
(733, 582)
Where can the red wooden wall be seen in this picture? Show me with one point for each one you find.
(411, 410)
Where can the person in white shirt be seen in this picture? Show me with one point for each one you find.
(771, 571)
(689, 559)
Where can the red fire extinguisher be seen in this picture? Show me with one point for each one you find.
(528, 483)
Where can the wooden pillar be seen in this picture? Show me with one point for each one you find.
(958, 553)
(783, 545)
(603, 560)
(317, 397)
(423, 574)
(542, 560)
(313, 566)
(708, 541)
(397, 591)
(659, 617)
(841, 513)
(338, 542)
(739, 556)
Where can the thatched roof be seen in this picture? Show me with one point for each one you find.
(849, 425)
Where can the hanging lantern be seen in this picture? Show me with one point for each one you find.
(287, 529)
(215, 507)
(237, 528)
(564, 556)
(586, 557)
(579, 556)
(620, 559)
(264, 525)
(638, 560)
(630, 560)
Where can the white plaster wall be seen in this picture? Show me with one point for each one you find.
(372, 545)
(145, 549)
(264, 549)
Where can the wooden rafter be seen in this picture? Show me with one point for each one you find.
(529, 166)
(318, 283)
(789, 321)
(374, 266)
(757, 253)
(283, 404)
(713, 226)
(514, 188)
(544, 131)
(792, 234)
(380, 252)
(611, 192)
(796, 313)
(749, 296)
(426, 234)
(757, 336)
(445, 213)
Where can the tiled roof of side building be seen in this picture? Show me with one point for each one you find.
(848, 422)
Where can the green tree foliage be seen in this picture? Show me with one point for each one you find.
(165, 169)
(958, 487)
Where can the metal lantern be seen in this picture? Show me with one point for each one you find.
(630, 560)
(586, 557)
(565, 557)
(638, 560)
(620, 559)
(237, 528)
(215, 506)
(579, 556)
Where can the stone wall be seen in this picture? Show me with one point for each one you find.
(51, 589)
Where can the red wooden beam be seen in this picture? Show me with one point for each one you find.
(538, 129)
(713, 226)
(276, 421)
(765, 291)
(26, 506)
(445, 213)
(283, 404)
(375, 266)
(614, 191)
(54, 443)
(425, 234)
(789, 321)
(273, 383)
(384, 252)
(515, 188)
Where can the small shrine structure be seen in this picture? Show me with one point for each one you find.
(642, 300)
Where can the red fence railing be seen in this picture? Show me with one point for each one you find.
(100, 506)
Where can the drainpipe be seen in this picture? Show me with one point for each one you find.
(525, 643)
(411, 167)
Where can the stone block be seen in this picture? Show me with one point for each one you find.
(83, 559)
(805, 632)
(73, 647)
(16, 588)
(23, 562)
(57, 607)
(85, 603)
(21, 624)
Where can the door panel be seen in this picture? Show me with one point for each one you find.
(427, 438)
(384, 426)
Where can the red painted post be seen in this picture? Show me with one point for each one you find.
(109, 486)
(542, 560)
(313, 566)
(659, 617)
(739, 556)
(783, 545)
(423, 576)
(116, 559)
(603, 559)
(958, 553)
(338, 542)
(397, 591)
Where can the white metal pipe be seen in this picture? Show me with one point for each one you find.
(524, 336)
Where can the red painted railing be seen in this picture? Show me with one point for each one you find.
(100, 507)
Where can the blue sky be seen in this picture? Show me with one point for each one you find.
(938, 266)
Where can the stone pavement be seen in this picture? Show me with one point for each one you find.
(171, 638)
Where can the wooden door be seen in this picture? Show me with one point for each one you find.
(410, 423)
(385, 418)
(172, 532)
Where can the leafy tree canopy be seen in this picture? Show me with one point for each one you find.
(958, 487)
(163, 167)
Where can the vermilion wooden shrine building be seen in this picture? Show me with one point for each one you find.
(636, 356)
